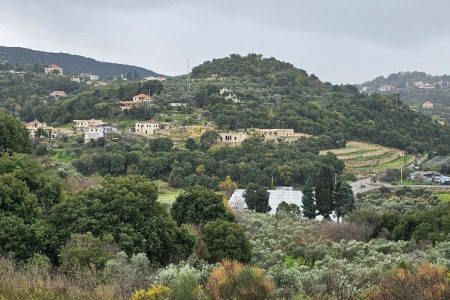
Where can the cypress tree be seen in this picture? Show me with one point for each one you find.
(343, 200)
(308, 201)
(324, 191)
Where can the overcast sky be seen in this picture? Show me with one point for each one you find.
(342, 41)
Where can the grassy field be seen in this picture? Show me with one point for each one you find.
(445, 197)
(61, 156)
(363, 159)
(167, 194)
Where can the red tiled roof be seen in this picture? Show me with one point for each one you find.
(54, 66)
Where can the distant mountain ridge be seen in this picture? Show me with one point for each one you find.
(72, 64)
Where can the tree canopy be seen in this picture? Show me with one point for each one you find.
(126, 208)
(226, 240)
(13, 135)
(198, 205)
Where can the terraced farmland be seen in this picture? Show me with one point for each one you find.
(363, 159)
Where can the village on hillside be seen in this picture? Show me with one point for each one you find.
(92, 130)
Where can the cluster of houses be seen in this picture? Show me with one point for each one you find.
(429, 177)
(151, 128)
(386, 88)
(90, 129)
(424, 85)
(93, 129)
(143, 100)
(417, 84)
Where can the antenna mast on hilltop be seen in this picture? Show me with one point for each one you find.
(188, 77)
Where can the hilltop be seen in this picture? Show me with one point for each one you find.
(251, 91)
(74, 64)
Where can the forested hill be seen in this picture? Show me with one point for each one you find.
(414, 89)
(251, 91)
(407, 79)
(74, 64)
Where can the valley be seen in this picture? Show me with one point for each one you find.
(142, 188)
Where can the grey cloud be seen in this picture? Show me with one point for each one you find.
(340, 40)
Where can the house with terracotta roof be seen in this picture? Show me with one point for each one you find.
(138, 101)
(53, 69)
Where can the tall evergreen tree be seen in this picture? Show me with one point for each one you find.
(257, 198)
(343, 200)
(324, 191)
(308, 201)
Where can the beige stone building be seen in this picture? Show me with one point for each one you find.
(93, 129)
(53, 69)
(231, 138)
(147, 127)
(278, 135)
(138, 100)
(58, 94)
(35, 125)
(82, 125)
(427, 105)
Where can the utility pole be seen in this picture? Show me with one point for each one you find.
(401, 168)
(401, 175)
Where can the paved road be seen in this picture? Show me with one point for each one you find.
(365, 185)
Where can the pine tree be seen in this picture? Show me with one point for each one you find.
(343, 200)
(308, 201)
(324, 191)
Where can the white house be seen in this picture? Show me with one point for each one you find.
(93, 77)
(96, 132)
(178, 104)
(423, 85)
(83, 125)
(147, 127)
(53, 69)
(386, 88)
